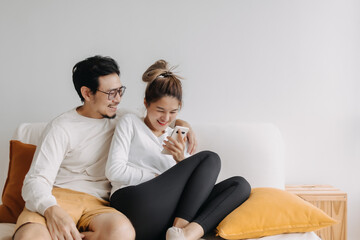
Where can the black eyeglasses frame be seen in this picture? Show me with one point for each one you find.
(113, 92)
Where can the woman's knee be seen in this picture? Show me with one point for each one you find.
(212, 159)
(243, 187)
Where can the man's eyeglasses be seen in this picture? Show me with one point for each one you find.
(112, 93)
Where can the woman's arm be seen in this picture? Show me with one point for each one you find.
(190, 136)
(118, 170)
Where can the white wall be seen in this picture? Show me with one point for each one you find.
(292, 63)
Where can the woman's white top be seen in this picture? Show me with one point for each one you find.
(135, 153)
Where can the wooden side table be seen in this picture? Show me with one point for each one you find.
(329, 199)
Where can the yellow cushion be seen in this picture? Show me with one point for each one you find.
(271, 211)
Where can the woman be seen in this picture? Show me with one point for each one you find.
(166, 194)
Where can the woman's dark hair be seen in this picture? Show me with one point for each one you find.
(87, 72)
(161, 82)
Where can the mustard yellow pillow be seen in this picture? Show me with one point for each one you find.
(271, 211)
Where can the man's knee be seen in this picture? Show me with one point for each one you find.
(32, 231)
(113, 226)
(122, 230)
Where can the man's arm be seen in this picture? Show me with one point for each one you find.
(190, 136)
(38, 184)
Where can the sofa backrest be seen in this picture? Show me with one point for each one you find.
(254, 150)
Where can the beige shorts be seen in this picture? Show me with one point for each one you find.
(82, 207)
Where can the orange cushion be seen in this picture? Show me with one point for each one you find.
(21, 156)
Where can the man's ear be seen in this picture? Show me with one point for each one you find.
(86, 93)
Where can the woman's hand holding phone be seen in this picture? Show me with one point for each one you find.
(176, 147)
(190, 137)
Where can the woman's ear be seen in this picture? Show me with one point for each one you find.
(145, 103)
(86, 93)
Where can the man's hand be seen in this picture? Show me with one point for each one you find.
(61, 226)
(192, 141)
(191, 138)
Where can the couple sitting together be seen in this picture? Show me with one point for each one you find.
(90, 152)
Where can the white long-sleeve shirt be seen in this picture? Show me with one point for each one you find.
(135, 153)
(72, 155)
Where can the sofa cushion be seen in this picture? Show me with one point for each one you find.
(6, 231)
(21, 156)
(270, 211)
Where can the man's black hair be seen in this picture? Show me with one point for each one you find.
(87, 72)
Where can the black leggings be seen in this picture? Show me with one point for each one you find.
(186, 191)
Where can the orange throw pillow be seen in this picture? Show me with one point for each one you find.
(21, 156)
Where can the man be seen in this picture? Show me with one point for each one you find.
(65, 190)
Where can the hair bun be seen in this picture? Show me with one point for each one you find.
(160, 67)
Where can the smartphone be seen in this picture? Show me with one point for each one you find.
(177, 130)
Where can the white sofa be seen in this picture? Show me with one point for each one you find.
(252, 150)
